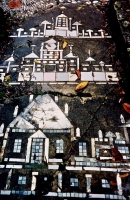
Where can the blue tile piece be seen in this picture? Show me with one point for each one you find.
(25, 192)
(29, 192)
(107, 196)
(99, 164)
(33, 192)
(76, 184)
(19, 182)
(21, 192)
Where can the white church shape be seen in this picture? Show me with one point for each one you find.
(61, 25)
(62, 22)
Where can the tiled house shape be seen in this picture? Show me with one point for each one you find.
(40, 118)
(72, 61)
(28, 65)
(28, 61)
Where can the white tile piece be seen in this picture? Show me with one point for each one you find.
(99, 76)
(16, 160)
(2, 166)
(23, 123)
(5, 192)
(37, 76)
(98, 196)
(73, 168)
(86, 76)
(14, 166)
(51, 194)
(34, 173)
(114, 76)
(33, 184)
(62, 76)
(92, 168)
(38, 134)
(72, 77)
(55, 160)
(53, 167)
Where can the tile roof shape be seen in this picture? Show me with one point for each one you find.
(38, 134)
(20, 122)
(31, 55)
(110, 134)
(24, 124)
(45, 113)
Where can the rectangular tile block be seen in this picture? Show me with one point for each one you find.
(62, 76)
(53, 166)
(49, 76)
(5, 192)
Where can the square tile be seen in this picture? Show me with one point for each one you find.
(37, 76)
(49, 76)
(72, 77)
(86, 76)
(20, 178)
(99, 76)
(62, 76)
(19, 182)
